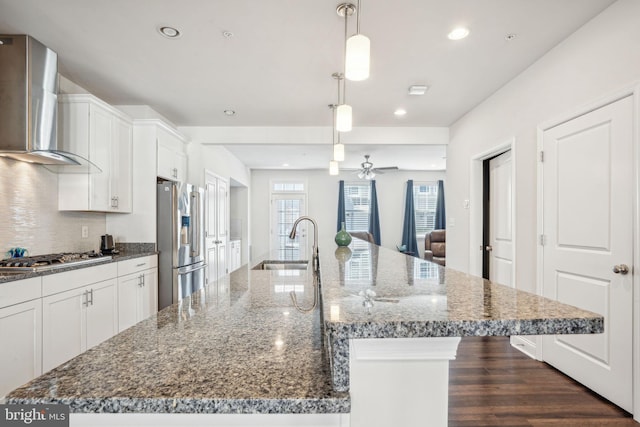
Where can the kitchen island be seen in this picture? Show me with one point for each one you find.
(241, 347)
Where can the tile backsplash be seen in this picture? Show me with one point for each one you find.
(30, 216)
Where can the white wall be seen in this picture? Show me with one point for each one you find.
(216, 159)
(322, 203)
(596, 60)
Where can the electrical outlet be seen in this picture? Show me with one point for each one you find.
(85, 231)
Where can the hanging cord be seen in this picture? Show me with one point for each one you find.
(358, 10)
(344, 71)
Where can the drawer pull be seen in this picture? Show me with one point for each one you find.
(141, 265)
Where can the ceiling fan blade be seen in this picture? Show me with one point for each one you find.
(388, 168)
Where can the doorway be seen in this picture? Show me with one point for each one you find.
(497, 230)
(285, 209)
(217, 225)
(587, 243)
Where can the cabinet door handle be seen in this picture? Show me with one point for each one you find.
(141, 265)
(143, 282)
(114, 202)
(90, 300)
(174, 171)
(140, 278)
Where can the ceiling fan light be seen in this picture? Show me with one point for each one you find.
(361, 174)
(334, 169)
(357, 58)
(343, 118)
(370, 175)
(338, 152)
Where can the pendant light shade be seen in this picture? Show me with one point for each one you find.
(343, 118)
(334, 169)
(357, 58)
(338, 152)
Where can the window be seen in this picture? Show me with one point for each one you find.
(425, 196)
(287, 187)
(356, 205)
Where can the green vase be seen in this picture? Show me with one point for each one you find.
(342, 237)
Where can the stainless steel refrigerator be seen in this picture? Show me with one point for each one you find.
(180, 233)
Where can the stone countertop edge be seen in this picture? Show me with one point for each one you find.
(122, 256)
(170, 405)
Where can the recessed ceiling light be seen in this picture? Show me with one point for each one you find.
(458, 33)
(510, 37)
(286, 165)
(227, 34)
(400, 112)
(230, 112)
(418, 89)
(169, 32)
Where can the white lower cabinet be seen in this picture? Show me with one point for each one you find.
(49, 320)
(20, 332)
(235, 255)
(79, 311)
(137, 290)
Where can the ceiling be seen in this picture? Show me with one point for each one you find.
(275, 70)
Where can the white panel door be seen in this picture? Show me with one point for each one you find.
(500, 217)
(216, 238)
(588, 207)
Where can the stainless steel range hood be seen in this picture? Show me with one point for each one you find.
(29, 104)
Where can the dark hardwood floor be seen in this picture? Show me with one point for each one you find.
(493, 384)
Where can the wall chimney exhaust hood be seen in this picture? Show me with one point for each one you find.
(29, 105)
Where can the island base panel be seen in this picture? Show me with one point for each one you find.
(402, 381)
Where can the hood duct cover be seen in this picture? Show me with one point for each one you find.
(29, 104)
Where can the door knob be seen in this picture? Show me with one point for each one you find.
(488, 248)
(621, 269)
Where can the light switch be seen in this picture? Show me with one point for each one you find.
(465, 204)
(85, 231)
(452, 222)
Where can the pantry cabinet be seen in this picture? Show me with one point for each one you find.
(21, 332)
(78, 312)
(103, 135)
(137, 290)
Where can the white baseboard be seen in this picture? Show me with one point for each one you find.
(525, 344)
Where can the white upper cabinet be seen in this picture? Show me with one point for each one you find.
(172, 161)
(103, 135)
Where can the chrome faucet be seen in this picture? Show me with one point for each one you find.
(292, 235)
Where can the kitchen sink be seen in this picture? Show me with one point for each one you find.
(282, 265)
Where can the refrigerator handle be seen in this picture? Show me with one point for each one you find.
(195, 229)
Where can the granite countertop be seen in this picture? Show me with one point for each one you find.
(373, 292)
(240, 346)
(129, 253)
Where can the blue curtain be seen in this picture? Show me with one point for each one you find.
(409, 242)
(374, 216)
(342, 214)
(441, 218)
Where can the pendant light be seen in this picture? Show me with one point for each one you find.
(343, 111)
(357, 47)
(334, 167)
(338, 150)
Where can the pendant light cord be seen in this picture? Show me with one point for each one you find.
(358, 18)
(344, 71)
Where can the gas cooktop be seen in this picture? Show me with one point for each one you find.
(51, 261)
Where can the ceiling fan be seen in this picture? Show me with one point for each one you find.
(369, 172)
